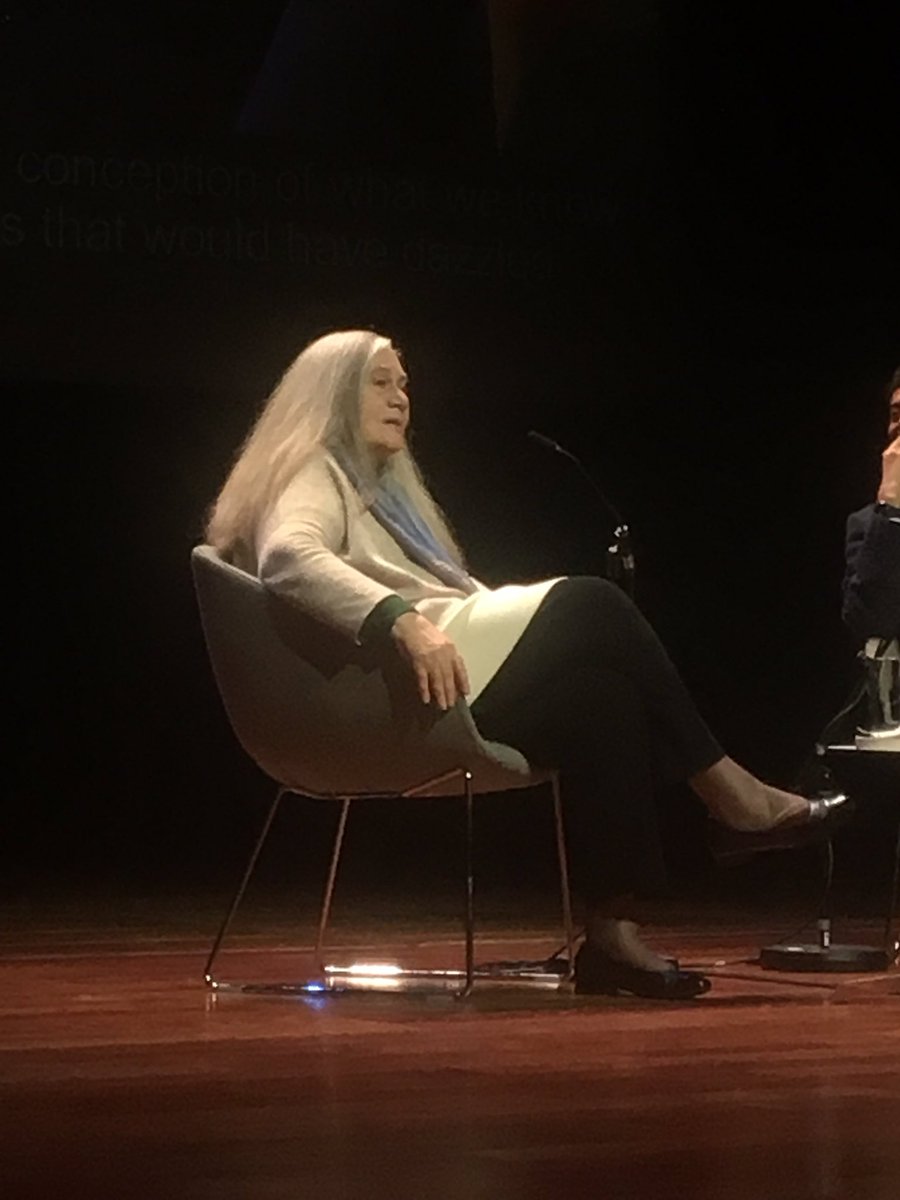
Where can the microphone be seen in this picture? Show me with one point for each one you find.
(619, 554)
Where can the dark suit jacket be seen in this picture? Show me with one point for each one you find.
(871, 591)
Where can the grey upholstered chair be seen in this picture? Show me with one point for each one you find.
(324, 719)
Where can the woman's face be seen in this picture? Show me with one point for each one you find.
(383, 405)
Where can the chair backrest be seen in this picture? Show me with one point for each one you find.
(320, 715)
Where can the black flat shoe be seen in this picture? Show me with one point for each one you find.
(596, 974)
(826, 814)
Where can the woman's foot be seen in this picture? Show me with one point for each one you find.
(619, 941)
(744, 803)
(615, 960)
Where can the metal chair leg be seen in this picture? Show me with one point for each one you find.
(563, 857)
(892, 936)
(470, 888)
(208, 978)
(329, 884)
(469, 973)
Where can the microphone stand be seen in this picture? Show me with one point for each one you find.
(875, 782)
(620, 566)
(620, 569)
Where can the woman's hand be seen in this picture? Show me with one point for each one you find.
(440, 671)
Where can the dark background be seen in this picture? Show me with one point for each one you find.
(662, 233)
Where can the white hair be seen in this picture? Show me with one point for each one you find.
(314, 406)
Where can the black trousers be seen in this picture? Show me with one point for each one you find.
(589, 691)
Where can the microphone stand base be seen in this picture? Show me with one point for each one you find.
(833, 958)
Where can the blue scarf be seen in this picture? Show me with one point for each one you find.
(395, 512)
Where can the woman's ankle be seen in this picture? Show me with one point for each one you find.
(618, 938)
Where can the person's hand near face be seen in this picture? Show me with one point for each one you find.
(889, 489)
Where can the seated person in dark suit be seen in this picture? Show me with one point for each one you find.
(871, 600)
(871, 590)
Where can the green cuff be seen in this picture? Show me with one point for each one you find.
(378, 624)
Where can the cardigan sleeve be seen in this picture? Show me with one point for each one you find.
(871, 588)
(299, 548)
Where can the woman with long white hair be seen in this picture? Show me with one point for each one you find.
(327, 506)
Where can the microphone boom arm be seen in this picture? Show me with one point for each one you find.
(620, 565)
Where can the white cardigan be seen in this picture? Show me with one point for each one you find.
(321, 549)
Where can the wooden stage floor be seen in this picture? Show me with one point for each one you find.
(120, 1077)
